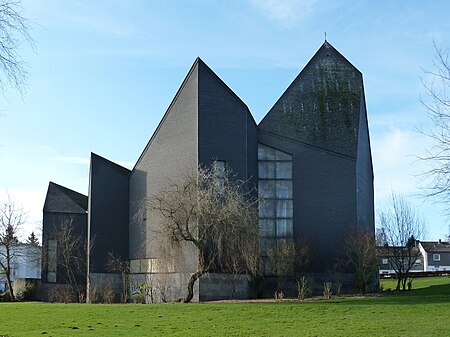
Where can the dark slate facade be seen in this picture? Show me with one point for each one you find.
(321, 120)
(108, 208)
(318, 135)
(62, 207)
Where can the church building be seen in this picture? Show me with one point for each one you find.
(309, 159)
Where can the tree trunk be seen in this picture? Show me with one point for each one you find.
(194, 277)
(8, 274)
(10, 288)
(398, 282)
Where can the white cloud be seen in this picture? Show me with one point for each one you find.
(285, 12)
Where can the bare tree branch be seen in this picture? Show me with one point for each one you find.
(14, 30)
(210, 211)
(12, 219)
(437, 103)
(401, 227)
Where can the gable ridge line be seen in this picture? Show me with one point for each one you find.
(110, 162)
(326, 44)
(174, 99)
(226, 87)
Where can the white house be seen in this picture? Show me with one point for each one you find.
(25, 264)
(436, 255)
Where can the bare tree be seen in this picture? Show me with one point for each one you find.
(211, 212)
(12, 219)
(282, 263)
(402, 226)
(437, 103)
(287, 260)
(72, 257)
(14, 29)
(360, 256)
(116, 264)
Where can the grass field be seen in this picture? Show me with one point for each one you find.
(422, 312)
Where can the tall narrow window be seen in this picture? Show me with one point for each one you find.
(275, 193)
(51, 260)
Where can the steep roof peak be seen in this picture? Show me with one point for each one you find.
(61, 199)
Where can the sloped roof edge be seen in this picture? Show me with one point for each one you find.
(326, 44)
(78, 200)
(180, 89)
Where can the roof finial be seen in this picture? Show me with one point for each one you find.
(325, 36)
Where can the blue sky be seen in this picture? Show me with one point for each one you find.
(104, 73)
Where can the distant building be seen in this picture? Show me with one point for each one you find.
(25, 264)
(386, 261)
(429, 256)
(309, 159)
(436, 255)
(64, 210)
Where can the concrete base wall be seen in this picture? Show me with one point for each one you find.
(101, 283)
(266, 287)
(215, 286)
(162, 287)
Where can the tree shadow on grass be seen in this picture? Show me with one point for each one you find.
(434, 294)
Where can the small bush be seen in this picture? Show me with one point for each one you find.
(327, 286)
(279, 295)
(28, 293)
(61, 294)
(108, 293)
(139, 298)
(93, 297)
(338, 287)
(303, 289)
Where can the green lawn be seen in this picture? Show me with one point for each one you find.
(418, 283)
(421, 312)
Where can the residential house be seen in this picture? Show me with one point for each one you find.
(436, 255)
(25, 263)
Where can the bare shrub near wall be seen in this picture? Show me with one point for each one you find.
(118, 265)
(282, 262)
(214, 214)
(61, 294)
(361, 257)
(327, 290)
(303, 288)
(93, 296)
(108, 293)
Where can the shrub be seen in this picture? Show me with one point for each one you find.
(327, 286)
(338, 287)
(61, 294)
(93, 297)
(139, 298)
(108, 293)
(27, 293)
(303, 288)
(279, 295)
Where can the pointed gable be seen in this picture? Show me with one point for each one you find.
(322, 105)
(226, 129)
(60, 199)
